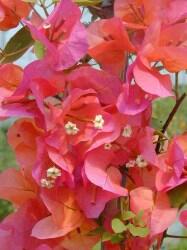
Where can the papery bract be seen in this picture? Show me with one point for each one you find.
(63, 36)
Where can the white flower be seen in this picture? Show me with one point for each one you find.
(47, 183)
(99, 122)
(53, 172)
(130, 164)
(141, 162)
(127, 131)
(107, 146)
(71, 128)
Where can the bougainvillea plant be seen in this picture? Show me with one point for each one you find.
(94, 172)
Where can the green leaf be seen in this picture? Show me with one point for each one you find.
(127, 215)
(138, 221)
(117, 238)
(88, 2)
(106, 236)
(39, 49)
(17, 46)
(118, 226)
(138, 231)
(98, 230)
(98, 246)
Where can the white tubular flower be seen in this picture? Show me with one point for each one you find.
(53, 172)
(141, 162)
(127, 131)
(107, 146)
(71, 128)
(130, 164)
(47, 183)
(99, 122)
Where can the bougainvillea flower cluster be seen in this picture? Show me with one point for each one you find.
(93, 171)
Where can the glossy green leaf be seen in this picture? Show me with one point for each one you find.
(98, 246)
(118, 226)
(17, 46)
(138, 231)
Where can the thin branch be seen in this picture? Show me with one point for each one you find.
(44, 8)
(35, 11)
(174, 111)
(175, 236)
(170, 118)
(2, 52)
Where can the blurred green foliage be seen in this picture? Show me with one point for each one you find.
(162, 109)
(7, 159)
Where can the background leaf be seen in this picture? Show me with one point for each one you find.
(17, 46)
(97, 246)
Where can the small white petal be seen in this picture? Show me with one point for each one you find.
(99, 122)
(130, 164)
(71, 128)
(47, 183)
(53, 172)
(127, 131)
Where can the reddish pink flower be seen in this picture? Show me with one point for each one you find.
(100, 171)
(76, 124)
(172, 167)
(11, 11)
(158, 215)
(63, 36)
(15, 230)
(65, 215)
(107, 86)
(109, 43)
(16, 187)
(133, 100)
(92, 199)
(138, 14)
(80, 239)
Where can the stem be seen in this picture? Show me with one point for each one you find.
(2, 52)
(35, 11)
(44, 8)
(173, 112)
(175, 236)
(170, 118)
